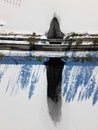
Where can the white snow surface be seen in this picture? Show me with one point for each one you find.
(23, 95)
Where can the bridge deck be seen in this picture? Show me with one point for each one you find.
(52, 47)
(23, 44)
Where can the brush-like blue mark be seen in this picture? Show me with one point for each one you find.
(88, 91)
(66, 77)
(25, 75)
(95, 96)
(29, 77)
(80, 78)
(22, 60)
(1, 74)
(2, 71)
(34, 80)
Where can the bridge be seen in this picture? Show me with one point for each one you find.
(23, 44)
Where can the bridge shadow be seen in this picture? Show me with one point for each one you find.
(79, 78)
(26, 73)
(54, 69)
(21, 60)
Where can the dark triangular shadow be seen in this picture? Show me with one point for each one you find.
(54, 69)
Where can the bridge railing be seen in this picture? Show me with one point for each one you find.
(28, 42)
